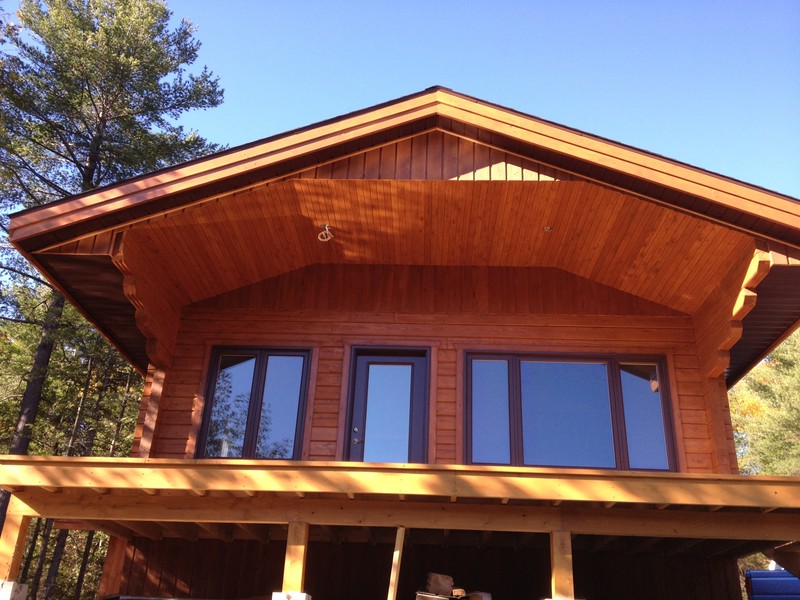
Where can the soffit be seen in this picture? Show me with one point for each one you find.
(600, 234)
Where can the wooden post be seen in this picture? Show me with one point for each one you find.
(145, 430)
(294, 569)
(12, 541)
(113, 567)
(397, 559)
(562, 585)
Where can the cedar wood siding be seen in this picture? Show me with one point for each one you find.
(330, 308)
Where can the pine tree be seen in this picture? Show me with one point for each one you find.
(90, 93)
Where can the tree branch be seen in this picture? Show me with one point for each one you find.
(36, 174)
(23, 321)
(28, 275)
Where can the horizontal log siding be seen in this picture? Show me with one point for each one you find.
(452, 310)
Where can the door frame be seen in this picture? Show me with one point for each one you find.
(360, 358)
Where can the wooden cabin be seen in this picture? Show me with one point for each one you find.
(435, 335)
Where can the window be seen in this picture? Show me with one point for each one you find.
(255, 404)
(388, 420)
(600, 412)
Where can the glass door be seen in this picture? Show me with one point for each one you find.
(388, 407)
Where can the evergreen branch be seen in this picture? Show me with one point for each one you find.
(71, 158)
(28, 275)
(38, 175)
(23, 321)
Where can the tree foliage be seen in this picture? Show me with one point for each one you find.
(91, 92)
(765, 409)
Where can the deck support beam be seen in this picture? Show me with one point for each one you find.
(562, 585)
(294, 569)
(12, 543)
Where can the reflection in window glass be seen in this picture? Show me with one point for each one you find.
(388, 413)
(490, 430)
(566, 414)
(230, 404)
(644, 419)
(281, 399)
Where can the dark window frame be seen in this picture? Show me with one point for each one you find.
(420, 402)
(616, 403)
(262, 354)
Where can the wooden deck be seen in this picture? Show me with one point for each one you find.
(583, 501)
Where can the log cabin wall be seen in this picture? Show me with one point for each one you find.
(449, 309)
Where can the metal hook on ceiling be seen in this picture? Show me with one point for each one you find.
(326, 235)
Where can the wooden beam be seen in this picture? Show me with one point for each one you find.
(746, 525)
(12, 542)
(601, 542)
(112, 528)
(682, 546)
(153, 476)
(397, 558)
(220, 531)
(113, 568)
(562, 584)
(154, 385)
(484, 539)
(370, 536)
(145, 529)
(256, 532)
(642, 544)
(294, 569)
(186, 531)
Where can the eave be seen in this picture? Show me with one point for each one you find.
(770, 214)
(55, 237)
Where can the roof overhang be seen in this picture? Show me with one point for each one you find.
(77, 242)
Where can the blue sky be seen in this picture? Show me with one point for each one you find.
(715, 84)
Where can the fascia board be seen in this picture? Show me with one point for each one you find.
(728, 193)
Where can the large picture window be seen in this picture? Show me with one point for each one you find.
(255, 404)
(602, 412)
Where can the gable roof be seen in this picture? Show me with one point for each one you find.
(379, 156)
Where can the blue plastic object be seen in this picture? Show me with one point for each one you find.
(772, 585)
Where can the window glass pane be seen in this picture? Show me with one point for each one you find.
(388, 413)
(281, 400)
(644, 417)
(490, 430)
(566, 414)
(229, 406)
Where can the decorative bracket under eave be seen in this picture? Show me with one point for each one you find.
(156, 316)
(718, 333)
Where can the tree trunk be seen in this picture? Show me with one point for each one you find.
(33, 390)
(55, 562)
(87, 553)
(33, 590)
(26, 563)
(118, 429)
(79, 410)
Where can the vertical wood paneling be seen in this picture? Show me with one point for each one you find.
(435, 155)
